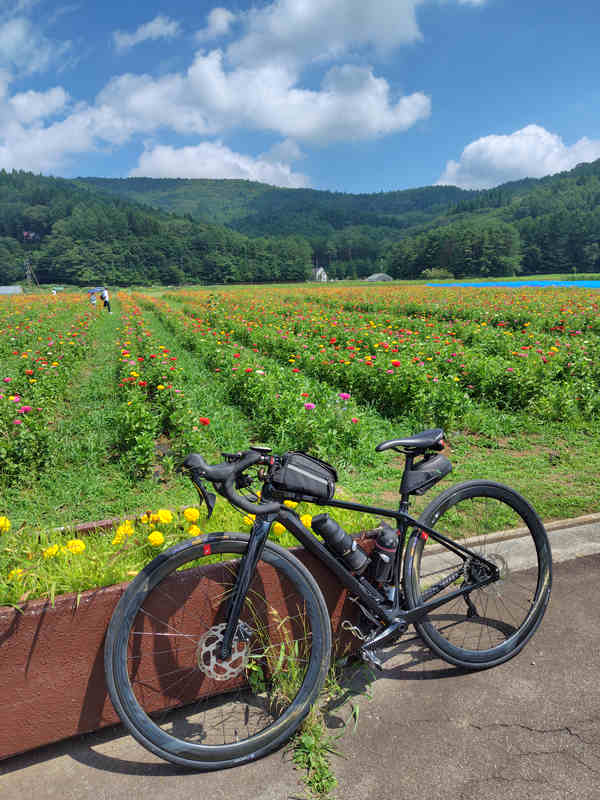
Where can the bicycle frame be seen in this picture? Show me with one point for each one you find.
(368, 595)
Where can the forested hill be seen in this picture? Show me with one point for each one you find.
(532, 225)
(258, 209)
(76, 235)
(142, 230)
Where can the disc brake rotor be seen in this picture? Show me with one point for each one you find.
(208, 655)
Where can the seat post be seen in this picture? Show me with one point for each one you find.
(404, 494)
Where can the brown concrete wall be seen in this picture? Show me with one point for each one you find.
(52, 682)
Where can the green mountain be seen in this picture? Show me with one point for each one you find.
(532, 225)
(143, 230)
(73, 234)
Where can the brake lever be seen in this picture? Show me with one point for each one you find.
(209, 498)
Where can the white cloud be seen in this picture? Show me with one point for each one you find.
(352, 103)
(296, 32)
(220, 21)
(213, 160)
(24, 50)
(531, 152)
(159, 28)
(286, 151)
(30, 106)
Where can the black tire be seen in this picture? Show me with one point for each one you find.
(497, 523)
(185, 704)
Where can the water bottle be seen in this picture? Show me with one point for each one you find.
(340, 542)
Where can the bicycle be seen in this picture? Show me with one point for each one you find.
(217, 650)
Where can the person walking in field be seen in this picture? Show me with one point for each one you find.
(106, 300)
(93, 299)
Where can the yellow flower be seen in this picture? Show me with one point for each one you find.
(16, 574)
(160, 387)
(51, 551)
(278, 528)
(125, 529)
(4, 524)
(191, 514)
(154, 517)
(144, 519)
(306, 519)
(194, 530)
(156, 538)
(75, 546)
(118, 538)
(249, 519)
(164, 515)
(290, 503)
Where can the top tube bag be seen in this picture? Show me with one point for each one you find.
(301, 474)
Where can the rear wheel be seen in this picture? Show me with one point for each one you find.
(489, 625)
(164, 670)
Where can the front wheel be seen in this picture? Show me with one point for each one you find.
(487, 626)
(164, 671)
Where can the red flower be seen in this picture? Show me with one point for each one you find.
(395, 363)
(204, 420)
(295, 369)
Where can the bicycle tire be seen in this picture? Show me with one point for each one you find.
(177, 700)
(499, 524)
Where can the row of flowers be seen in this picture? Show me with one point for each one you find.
(405, 365)
(289, 410)
(42, 345)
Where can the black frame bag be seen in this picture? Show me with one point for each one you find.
(303, 475)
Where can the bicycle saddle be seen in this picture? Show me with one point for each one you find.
(432, 439)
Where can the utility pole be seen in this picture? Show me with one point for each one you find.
(30, 275)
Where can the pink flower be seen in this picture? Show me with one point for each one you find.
(344, 395)
(510, 369)
(24, 409)
(309, 406)
(7, 380)
(354, 419)
(17, 421)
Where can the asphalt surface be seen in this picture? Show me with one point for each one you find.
(528, 729)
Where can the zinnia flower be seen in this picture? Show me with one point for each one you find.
(204, 420)
(156, 538)
(191, 514)
(344, 395)
(309, 406)
(75, 546)
(194, 530)
(51, 551)
(165, 516)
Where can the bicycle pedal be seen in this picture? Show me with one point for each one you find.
(369, 657)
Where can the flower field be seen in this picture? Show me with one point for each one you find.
(96, 409)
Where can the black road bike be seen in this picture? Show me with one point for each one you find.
(219, 647)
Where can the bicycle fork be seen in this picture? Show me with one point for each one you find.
(258, 537)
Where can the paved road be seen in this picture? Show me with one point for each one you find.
(528, 730)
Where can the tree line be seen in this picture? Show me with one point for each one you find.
(84, 232)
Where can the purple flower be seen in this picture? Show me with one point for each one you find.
(309, 406)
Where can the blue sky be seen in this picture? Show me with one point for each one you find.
(345, 95)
